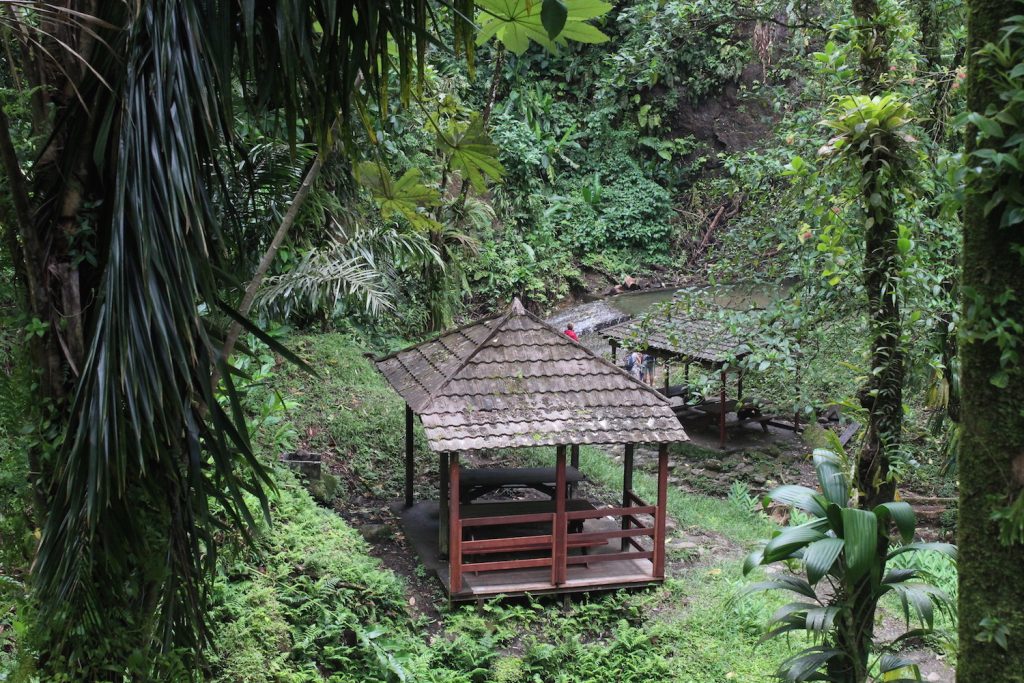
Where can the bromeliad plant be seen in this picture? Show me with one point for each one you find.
(843, 551)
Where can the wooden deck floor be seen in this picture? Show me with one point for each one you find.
(420, 523)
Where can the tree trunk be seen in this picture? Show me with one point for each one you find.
(992, 446)
(883, 394)
(873, 42)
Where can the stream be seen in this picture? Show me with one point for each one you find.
(592, 316)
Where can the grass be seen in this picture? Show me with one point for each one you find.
(695, 628)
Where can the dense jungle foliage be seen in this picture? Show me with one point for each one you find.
(212, 210)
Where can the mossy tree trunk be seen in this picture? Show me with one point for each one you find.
(992, 445)
(882, 396)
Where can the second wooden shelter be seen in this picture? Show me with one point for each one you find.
(687, 340)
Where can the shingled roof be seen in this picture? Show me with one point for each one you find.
(705, 341)
(512, 380)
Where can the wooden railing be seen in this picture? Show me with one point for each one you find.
(561, 537)
(557, 542)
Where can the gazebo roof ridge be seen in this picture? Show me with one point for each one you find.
(513, 380)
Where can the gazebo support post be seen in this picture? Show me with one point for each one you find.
(660, 513)
(721, 413)
(574, 461)
(443, 504)
(410, 464)
(627, 489)
(739, 386)
(454, 528)
(615, 348)
(666, 378)
(561, 523)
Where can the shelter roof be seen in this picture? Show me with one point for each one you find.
(702, 340)
(512, 380)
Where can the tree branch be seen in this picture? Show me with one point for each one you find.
(268, 257)
(31, 253)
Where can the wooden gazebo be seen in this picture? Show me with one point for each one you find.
(687, 340)
(512, 381)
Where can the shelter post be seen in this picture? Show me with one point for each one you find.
(409, 462)
(666, 376)
(454, 527)
(739, 386)
(574, 461)
(443, 504)
(721, 412)
(661, 512)
(627, 490)
(560, 527)
(615, 347)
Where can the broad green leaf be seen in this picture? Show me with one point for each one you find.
(516, 22)
(831, 477)
(405, 197)
(800, 497)
(820, 556)
(860, 533)
(789, 583)
(553, 14)
(790, 540)
(902, 514)
(472, 153)
(583, 33)
(754, 559)
(819, 620)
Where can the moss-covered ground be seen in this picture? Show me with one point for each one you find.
(314, 604)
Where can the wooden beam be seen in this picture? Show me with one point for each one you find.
(721, 413)
(615, 347)
(443, 502)
(661, 513)
(574, 462)
(627, 485)
(410, 465)
(454, 529)
(561, 523)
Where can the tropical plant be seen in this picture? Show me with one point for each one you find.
(870, 140)
(124, 262)
(844, 552)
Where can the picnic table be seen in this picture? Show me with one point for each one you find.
(476, 482)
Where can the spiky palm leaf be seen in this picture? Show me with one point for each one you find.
(131, 533)
(143, 465)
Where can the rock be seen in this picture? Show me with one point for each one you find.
(675, 481)
(375, 532)
(681, 544)
(630, 282)
(758, 479)
(713, 465)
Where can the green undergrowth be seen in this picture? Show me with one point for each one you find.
(309, 603)
(312, 605)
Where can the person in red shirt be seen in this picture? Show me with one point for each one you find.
(570, 333)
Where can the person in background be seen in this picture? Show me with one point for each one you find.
(570, 333)
(635, 365)
(649, 368)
